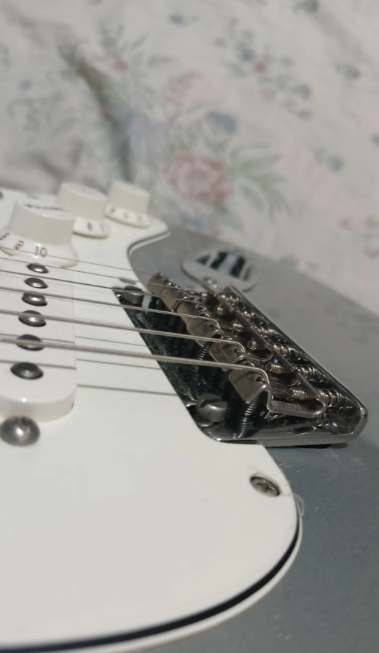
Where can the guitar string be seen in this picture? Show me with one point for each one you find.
(144, 293)
(69, 346)
(71, 270)
(114, 342)
(106, 324)
(160, 358)
(97, 302)
(121, 327)
(40, 259)
(45, 261)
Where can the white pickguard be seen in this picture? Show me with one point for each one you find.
(124, 518)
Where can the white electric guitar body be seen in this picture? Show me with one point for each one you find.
(122, 524)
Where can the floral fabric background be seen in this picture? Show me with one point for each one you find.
(254, 120)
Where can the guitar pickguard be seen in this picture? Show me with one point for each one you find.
(123, 525)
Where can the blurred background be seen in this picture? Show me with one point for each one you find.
(253, 120)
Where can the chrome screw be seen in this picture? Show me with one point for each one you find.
(264, 486)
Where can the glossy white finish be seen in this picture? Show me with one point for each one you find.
(88, 207)
(125, 516)
(39, 228)
(201, 625)
(128, 204)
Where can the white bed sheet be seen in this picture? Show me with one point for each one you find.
(255, 120)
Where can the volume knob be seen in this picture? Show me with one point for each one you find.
(39, 230)
(128, 204)
(88, 206)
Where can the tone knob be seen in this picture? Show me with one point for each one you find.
(38, 230)
(88, 206)
(128, 204)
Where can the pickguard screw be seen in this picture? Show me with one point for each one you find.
(264, 486)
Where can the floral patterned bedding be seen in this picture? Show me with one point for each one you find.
(254, 120)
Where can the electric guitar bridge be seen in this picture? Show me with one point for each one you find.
(279, 396)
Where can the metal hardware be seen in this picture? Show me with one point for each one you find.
(309, 372)
(246, 417)
(331, 396)
(211, 282)
(254, 355)
(19, 431)
(131, 295)
(127, 280)
(266, 331)
(284, 349)
(34, 282)
(253, 345)
(32, 318)
(35, 299)
(37, 268)
(196, 312)
(220, 268)
(236, 325)
(228, 352)
(249, 385)
(59, 344)
(31, 343)
(221, 311)
(28, 371)
(202, 422)
(211, 408)
(264, 486)
(276, 368)
(71, 281)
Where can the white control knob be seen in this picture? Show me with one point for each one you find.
(39, 231)
(128, 204)
(88, 206)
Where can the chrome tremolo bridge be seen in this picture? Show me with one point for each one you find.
(279, 397)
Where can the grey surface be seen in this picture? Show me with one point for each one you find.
(329, 600)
